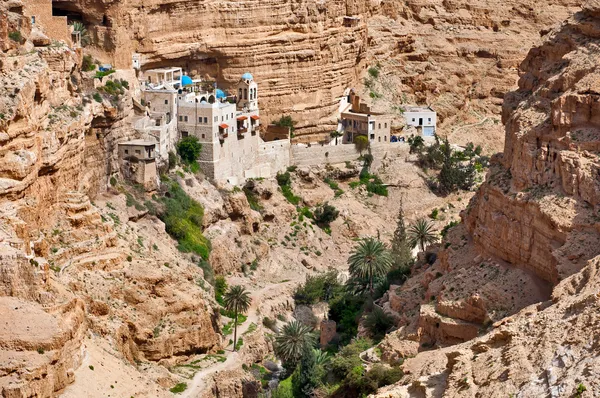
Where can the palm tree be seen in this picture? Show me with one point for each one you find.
(370, 259)
(83, 33)
(421, 233)
(291, 341)
(335, 134)
(237, 299)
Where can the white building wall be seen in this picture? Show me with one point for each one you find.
(429, 118)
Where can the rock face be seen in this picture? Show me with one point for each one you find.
(537, 212)
(300, 52)
(460, 57)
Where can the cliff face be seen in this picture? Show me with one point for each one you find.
(537, 213)
(63, 259)
(461, 57)
(300, 53)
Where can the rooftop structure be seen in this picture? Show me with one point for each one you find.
(164, 77)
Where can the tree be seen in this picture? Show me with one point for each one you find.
(286, 121)
(291, 341)
(416, 143)
(421, 233)
(83, 33)
(307, 378)
(189, 149)
(361, 142)
(325, 214)
(400, 247)
(336, 134)
(370, 259)
(237, 299)
(455, 174)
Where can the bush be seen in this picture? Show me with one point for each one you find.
(378, 323)
(286, 121)
(178, 388)
(15, 36)
(172, 160)
(345, 309)
(113, 181)
(220, 289)
(183, 220)
(325, 214)
(448, 226)
(189, 149)
(317, 288)
(284, 179)
(88, 63)
(97, 97)
(374, 72)
(361, 143)
(434, 214)
(101, 74)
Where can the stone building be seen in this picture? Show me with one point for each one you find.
(55, 27)
(423, 118)
(226, 126)
(357, 119)
(138, 162)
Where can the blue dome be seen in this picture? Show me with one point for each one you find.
(221, 93)
(186, 80)
(247, 76)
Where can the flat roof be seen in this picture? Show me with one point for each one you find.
(139, 142)
(418, 109)
(162, 70)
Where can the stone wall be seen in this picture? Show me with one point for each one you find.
(321, 154)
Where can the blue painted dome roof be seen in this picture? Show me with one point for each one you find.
(186, 80)
(221, 93)
(247, 76)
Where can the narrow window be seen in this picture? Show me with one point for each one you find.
(413, 119)
(202, 135)
(199, 120)
(166, 102)
(385, 125)
(379, 139)
(379, 126)
(185, 118)
(180, 118)
(126, 151)
(205, 120)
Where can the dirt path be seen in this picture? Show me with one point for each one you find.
(199, 383)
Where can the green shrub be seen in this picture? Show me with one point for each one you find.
(178, 388)
(220, 289)
(183, 220)
(325, 214)
(286, 121)
(378, 323)
(172, 160)
(374, 72)
(253, 200)
(101, 74)
(88, 63)
(284, 178)
(448, 226)
(317, 288)
(129, 258)
(286, 190)
(434, 214)
(15, 36)
(97, 97)
(189, 149)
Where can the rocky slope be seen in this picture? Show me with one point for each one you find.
(460, 57)
(537, 214)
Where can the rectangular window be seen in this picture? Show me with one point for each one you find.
(137, 152)
(33, 20)
(185, 119)
(166, 102)
(180, 118)
(429, 120)
(202, 135)
(372, 136)
(216, 119)
(199, 120)
(413, 119)
(126, 151)
(205, 120)
(184, 134)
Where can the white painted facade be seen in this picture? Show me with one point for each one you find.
(421, 117)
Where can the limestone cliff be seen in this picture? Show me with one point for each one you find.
(537, 212)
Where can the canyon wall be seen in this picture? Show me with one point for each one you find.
(536, 215)
(300, 52)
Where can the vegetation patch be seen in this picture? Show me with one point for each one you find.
(285, 183)
(178, 388)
